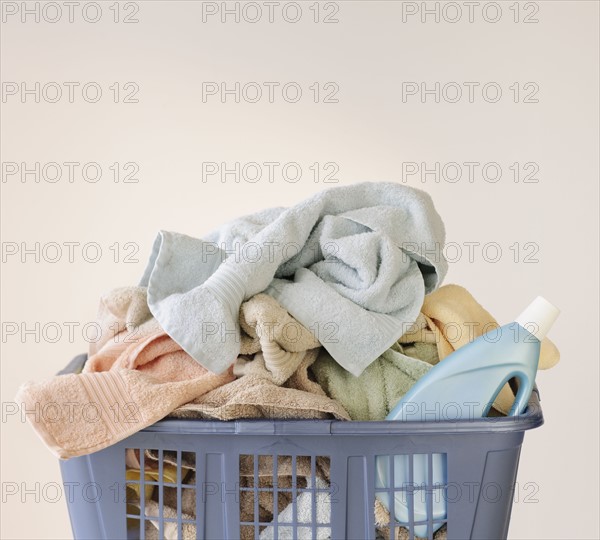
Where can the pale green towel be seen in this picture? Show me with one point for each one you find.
(373, 394)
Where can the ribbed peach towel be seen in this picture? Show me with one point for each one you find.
(125, 387)
(138, 374)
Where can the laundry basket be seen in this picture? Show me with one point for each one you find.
(213, 479)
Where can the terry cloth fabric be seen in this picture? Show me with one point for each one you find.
(80, 414)
(373, 394)
(352, 264)
(279, 342)
(265, 326)
(269, 328)
(170, 529)
(124, 321)
(304, 516)
(274, 383)
(451, 318)
(122, 309)
(255, 395)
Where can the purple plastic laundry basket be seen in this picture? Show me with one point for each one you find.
(481, 458)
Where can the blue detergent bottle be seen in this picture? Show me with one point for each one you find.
(463, 386)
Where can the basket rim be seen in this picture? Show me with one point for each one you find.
(531, 418)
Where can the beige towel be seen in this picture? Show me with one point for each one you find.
(256, 395)
(269, 328)
(451, 318)
(274, 383)
(125, 321)
(170, 528)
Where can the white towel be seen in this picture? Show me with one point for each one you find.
(304, 516)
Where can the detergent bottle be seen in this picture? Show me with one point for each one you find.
(464, 386)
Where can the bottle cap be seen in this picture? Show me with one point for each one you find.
(538, 317)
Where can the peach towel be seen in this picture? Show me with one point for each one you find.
(145, 381)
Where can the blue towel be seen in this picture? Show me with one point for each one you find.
(352, 264)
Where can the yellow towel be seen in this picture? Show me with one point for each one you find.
(451, 318)
(151, 475)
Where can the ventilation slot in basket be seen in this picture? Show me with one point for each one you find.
(285, 497)
(160, 493)
(417, 485)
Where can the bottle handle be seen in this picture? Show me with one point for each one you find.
(526, 383)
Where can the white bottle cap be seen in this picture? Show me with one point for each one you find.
(538, 317)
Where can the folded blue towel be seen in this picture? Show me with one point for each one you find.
(352, 264)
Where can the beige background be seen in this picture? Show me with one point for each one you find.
(369, 134)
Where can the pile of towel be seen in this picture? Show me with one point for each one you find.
(329, 309)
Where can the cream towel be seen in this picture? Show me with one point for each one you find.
(269, 328)
(451, 317)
